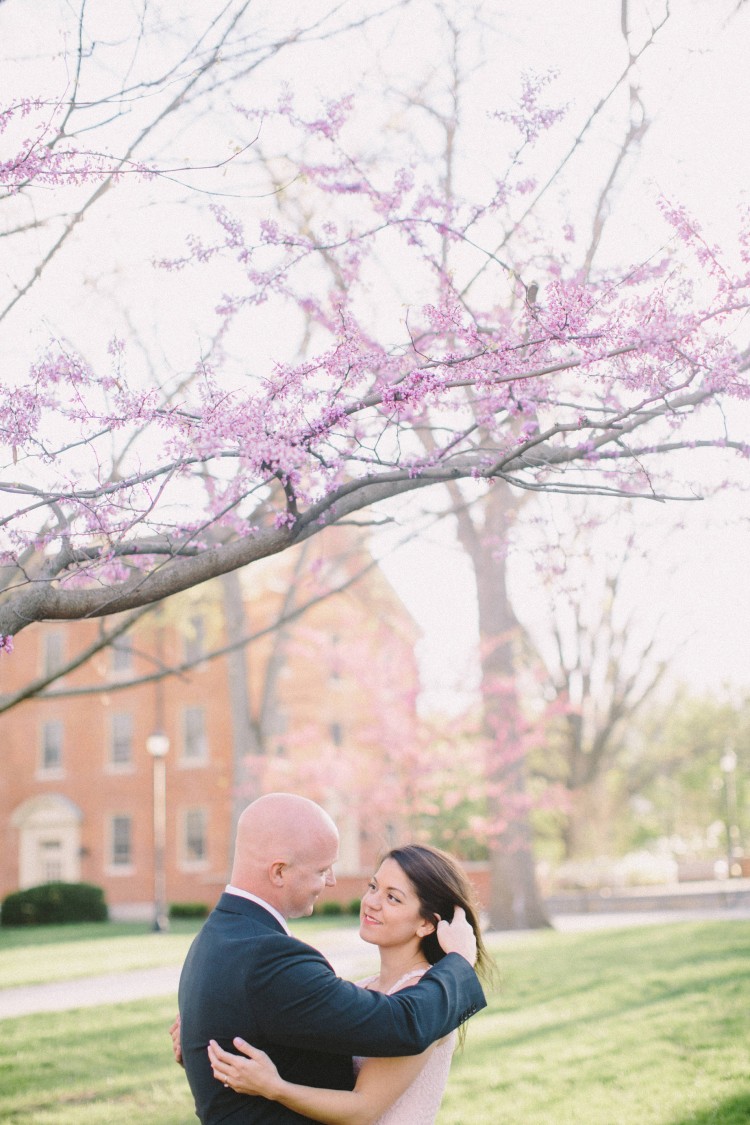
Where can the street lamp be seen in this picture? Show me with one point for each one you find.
(157, 746)
(728, 764)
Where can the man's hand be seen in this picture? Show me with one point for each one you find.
(174, 1031)
(458, 936)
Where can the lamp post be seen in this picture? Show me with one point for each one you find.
(157, 746)
(728, 764)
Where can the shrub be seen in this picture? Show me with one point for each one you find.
(353, 907)
(330, 908)
(54, 903)
(188, 910)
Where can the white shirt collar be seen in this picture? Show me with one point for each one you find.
(230, 890)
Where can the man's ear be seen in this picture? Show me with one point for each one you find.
(276, 873)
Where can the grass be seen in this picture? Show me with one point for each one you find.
(641, 1026)
(644, 1026)
(94, 948)
(38, 954)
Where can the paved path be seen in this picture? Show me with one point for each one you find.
(343, 948)
(87, 992)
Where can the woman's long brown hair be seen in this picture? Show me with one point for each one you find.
(441, 884)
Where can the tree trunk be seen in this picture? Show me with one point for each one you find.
(587, 831)
(515, 901)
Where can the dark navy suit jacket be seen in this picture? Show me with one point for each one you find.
(245, 976)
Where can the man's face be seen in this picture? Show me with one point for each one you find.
(309, 874)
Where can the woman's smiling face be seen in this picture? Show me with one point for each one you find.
(390, 914)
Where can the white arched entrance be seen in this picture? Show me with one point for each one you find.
(49, 840)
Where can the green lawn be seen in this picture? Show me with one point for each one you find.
(94, 948)
(642, 1026)
(38, 954)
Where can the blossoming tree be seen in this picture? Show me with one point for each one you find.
(238, 313)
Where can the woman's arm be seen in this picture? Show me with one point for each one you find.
(380, 1083)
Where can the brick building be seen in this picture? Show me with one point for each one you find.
(308, 703)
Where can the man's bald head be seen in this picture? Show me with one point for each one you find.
(285, 847)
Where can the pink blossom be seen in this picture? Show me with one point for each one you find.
(434, 379)
(530, 117)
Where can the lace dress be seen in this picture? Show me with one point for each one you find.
(420, 1102)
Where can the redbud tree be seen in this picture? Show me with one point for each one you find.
(243, 305)
(121, 487)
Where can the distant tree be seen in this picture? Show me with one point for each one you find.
(486, 525)
(356, 744)
(671, 785)
(594, 623)
(447, 804)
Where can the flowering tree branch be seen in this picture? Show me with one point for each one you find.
(120, 486)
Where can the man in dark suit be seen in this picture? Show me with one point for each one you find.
(246, 975)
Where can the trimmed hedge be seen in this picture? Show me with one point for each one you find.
(53, 903)
(332, 908)
(188, 910)
(329, 909)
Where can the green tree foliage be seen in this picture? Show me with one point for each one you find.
(672, 784)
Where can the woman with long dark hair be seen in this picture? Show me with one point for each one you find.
(414, 888)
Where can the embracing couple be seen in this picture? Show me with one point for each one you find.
(267, 1031)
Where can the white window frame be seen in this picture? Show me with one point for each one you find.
(121, 652)
(194, 641)
(191, 740)
(53, 651)
(125, 867)
(190, 862)
(115, 764)
(54, 768)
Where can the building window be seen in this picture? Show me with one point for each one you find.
(122, 656)
(52, 652)
(195, 640)
(195, 743)
(121, 740)
(121, 842)
(194, 848)
(52, 747)
(337, 735)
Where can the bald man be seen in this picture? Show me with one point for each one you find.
(246, 975)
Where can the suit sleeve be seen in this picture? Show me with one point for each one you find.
(298, 1001)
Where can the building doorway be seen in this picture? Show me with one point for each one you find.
(49, 840)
